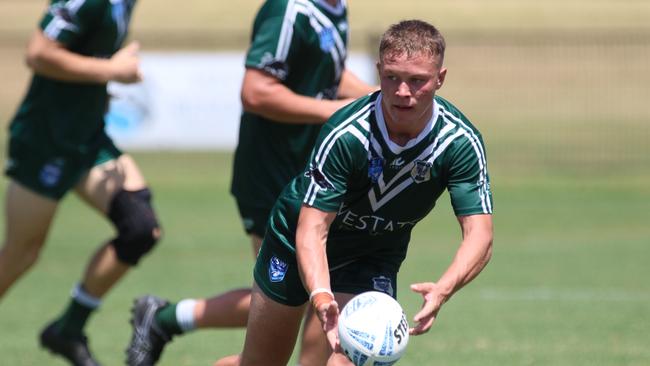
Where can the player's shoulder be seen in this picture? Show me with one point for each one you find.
(288, 7)
(356, 111)
(351, 123)
(85, 8)
(272, 8)
(452, 114)
(68, 14)
(84, 5)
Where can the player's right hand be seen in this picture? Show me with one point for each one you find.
(126, 64)
(330, 320)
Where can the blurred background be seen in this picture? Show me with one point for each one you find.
(560, 91)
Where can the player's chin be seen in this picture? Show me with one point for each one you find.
(402, 109)
(403, 114)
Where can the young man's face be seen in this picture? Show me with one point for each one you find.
(408, 85)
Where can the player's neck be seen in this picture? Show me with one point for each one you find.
(401, 132)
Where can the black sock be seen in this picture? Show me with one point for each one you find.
(74, 318)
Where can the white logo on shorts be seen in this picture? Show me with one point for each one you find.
(383, 284)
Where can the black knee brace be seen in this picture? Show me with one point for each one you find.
(137, 227)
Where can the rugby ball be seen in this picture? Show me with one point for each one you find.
(373, 330)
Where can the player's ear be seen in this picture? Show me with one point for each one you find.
(441, 77)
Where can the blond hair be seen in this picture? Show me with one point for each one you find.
(411, 38)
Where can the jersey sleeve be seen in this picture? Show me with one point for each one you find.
(276, 38)
(66, 21)
(468, 178)
(335, 159)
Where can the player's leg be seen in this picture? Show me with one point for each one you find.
(225, 310)
(314, 348)
(229, 309)
(28, 216)
(116, 189)
(119, 191)
(271, 331)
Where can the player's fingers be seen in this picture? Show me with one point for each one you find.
(331, 316)
(428, 309)
(133, 47)
(333, 338)
(422, 326)
(333, 308)
(421, 288)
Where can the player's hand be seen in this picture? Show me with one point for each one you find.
(126, 64)
(328, 313)
(433, 300)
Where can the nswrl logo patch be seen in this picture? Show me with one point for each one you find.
(375, 168)
(51, 172)
(326, 39)
(277, 269)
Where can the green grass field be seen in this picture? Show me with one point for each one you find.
(567, 129)
(567, 284)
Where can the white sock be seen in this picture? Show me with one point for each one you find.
(185, 314)
(81, 296)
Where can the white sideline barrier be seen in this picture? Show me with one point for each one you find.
(188, 101)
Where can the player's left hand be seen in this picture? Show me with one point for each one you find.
(433, 300)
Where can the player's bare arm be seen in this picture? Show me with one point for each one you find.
(472, 256)
(353, 87)
(265, 95)
(50, 58)
(311, 238)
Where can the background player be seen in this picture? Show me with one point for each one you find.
(295, 79)
(57, 143)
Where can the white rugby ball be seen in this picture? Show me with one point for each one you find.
(373, 330)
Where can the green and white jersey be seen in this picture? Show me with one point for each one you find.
(379, 189)
(303, 43)
(70, 115)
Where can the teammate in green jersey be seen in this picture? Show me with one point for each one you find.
(295, 79)
(57, 143)
(343, 226)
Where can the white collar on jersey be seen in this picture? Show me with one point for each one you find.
(336, 10)
(395, 148)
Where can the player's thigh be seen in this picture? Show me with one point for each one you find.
(314, 347)
(271, 331)
(256, 243)
(28, 216)
(104, 180)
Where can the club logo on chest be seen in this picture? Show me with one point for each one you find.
(421, 171)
